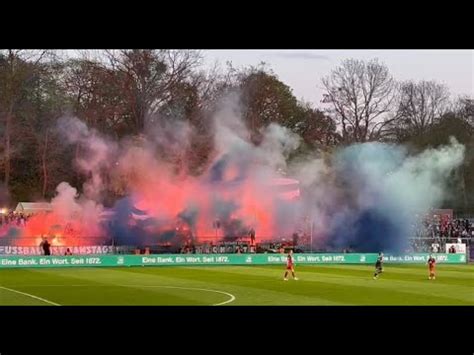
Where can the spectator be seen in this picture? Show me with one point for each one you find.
(295, 239)
(252, 236)
(46, 246)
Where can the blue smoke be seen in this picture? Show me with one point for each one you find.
(372, 231)
(369, 222)
(239, 160)
(11, 236)
(216, 172)
(381, 189)
(126, 229)
(232, 228)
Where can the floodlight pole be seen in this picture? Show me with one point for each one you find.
(311, 234)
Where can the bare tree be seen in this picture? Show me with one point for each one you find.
(464, 108)
(16, 67)
(95, 95)
(361, 97)
(212, 85)
(420, 105)
(147, 76)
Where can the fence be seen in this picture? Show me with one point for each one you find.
(223, 259)
(100, 245)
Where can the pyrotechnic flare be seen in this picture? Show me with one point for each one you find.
(364, 196)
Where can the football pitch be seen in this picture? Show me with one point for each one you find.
(238, 285)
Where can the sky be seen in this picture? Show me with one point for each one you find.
(302, 70)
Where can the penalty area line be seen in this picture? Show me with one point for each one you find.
(29, 295)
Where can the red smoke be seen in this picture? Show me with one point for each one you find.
(248, 191)
(165, 200)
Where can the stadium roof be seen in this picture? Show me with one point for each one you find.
(33, 207)
(284, 181)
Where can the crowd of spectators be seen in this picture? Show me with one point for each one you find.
(219, 248)
(445, 227)
(432, 233)
(13, 219)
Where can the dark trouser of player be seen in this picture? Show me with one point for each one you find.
(377, 272)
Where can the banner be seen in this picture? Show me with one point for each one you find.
(83, 250)
(223, 259)
(422, 258)
(108, 249)
(459, 247)
(443, 213)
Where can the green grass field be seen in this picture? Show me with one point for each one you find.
(238, 285)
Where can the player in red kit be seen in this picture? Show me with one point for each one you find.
(431, 266)
(290, 266)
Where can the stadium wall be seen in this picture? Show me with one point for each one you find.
(18, 261)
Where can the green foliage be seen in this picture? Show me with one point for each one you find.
(462, 182)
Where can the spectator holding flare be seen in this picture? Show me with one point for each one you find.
(46, 246)
(431, 266)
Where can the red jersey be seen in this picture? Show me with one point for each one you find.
(289, 261)
(431, 263)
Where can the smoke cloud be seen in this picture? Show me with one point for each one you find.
(369, 194)
(365, 196)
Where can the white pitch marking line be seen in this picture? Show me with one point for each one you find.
(29, 295)
(231, 296)
(231, 299)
